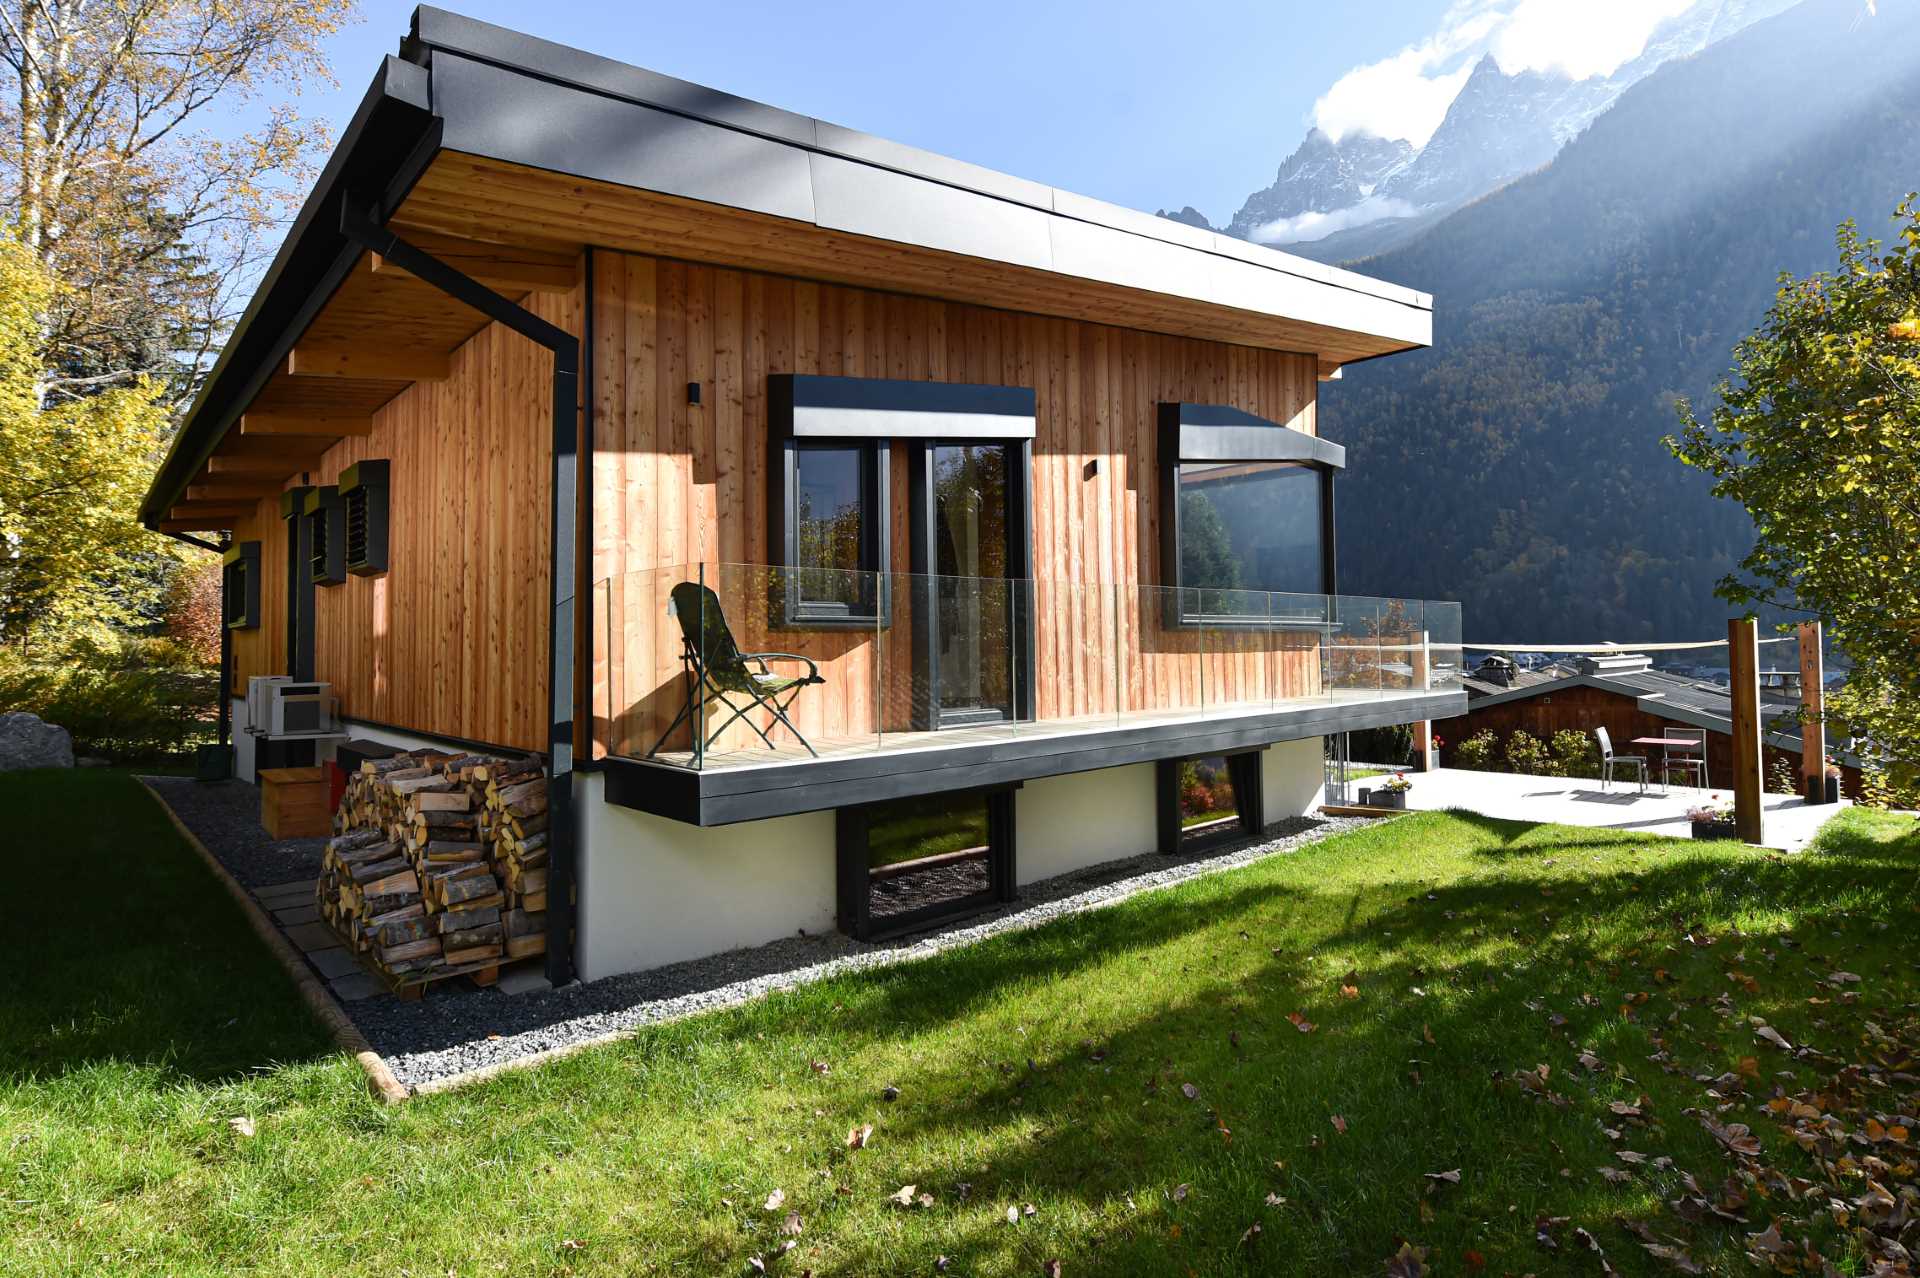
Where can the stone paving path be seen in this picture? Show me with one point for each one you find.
(291, 906)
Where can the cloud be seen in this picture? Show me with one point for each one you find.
(1407, 94)
(1313, 225)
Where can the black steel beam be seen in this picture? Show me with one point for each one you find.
(359, 224)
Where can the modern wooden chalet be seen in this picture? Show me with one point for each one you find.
(576, 388)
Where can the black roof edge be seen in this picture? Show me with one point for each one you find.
(383, 149)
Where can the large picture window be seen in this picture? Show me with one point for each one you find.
(1247, 518)
(1251, 526)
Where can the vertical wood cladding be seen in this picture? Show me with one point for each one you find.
(677, 484)
(452, 638)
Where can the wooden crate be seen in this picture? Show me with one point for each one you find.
(293, 803)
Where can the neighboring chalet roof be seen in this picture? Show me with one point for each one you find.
(501, 149)
(1666, 695)
(1496, 675)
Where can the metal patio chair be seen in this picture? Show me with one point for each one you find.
(1691, 758)
(717, 671)
(1609, 760)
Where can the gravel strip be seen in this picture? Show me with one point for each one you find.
(225, 815)
(457, 1028)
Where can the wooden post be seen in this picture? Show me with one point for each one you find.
(1743, 661)
(1813, 729)
(1423, 753)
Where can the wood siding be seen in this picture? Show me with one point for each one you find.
(677, 485)
(452, 639)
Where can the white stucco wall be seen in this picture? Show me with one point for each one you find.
(656, 891)
(1067, 823)
(1292, 777)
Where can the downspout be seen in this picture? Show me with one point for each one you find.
(357, 225)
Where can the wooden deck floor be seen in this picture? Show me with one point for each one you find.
(787, 749)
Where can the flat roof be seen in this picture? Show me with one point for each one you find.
(462, 87)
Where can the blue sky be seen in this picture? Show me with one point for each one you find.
(1144, 104)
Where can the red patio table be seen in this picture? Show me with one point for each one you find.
(1665, 744)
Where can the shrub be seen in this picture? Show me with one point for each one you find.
(1780, 777)
(1575, 754)
(192, 604)
(129, 702)
(1477, 752)
(1392, 745)
(1527, 756)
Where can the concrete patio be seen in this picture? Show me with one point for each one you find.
(1789, 824)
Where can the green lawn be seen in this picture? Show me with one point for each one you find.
(1049, 1068)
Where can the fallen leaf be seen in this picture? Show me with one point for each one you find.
(774, 1199)
(571, 1244)
(903, 1195)
(1275, 1200)
(792, 1225)
(1340, 1124)
(1409, 1262)
(1180, 1192)
(1050, 1269)
(819, 1067)
(1474, 1259)
(889, 1093)
(1013, 1215)
(241, 1126)
(1349, 991)
(1445, 1177)
(1772, 1035)
(1189, 1091)
(857, 1137)
(1253, 1232)
(1300, 1022)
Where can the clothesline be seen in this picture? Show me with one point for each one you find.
(1609, 647)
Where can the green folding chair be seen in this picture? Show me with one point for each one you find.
(716, 671)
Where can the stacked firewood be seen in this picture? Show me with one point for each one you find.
(515, 824)
(431, 870)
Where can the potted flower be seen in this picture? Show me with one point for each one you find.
(1391, 793)
(1713, 820)
(1833, 781)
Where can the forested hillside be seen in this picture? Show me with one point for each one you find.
(1517, 466)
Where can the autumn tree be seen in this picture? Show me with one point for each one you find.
(72, 472)
(1817, 434)
(128, 177)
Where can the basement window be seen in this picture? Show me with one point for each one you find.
(240, 586)
(906, 863)
(1208, 799)
(363, 489)
(327, 540)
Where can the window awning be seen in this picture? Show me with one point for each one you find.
(1217, 433)
(806, 406)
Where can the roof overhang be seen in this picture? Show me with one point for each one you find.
(478, 136)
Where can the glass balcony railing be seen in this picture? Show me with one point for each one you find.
(733, 665)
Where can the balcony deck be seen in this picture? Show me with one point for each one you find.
(741, 784)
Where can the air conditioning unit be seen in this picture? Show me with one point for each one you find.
(260, 701)
(299, 708)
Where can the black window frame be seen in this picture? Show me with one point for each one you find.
(365, 490)
(1219, 434)
(240, 586)
(853, 887)
(324, 515)
(1244, 769)
(794, 611)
